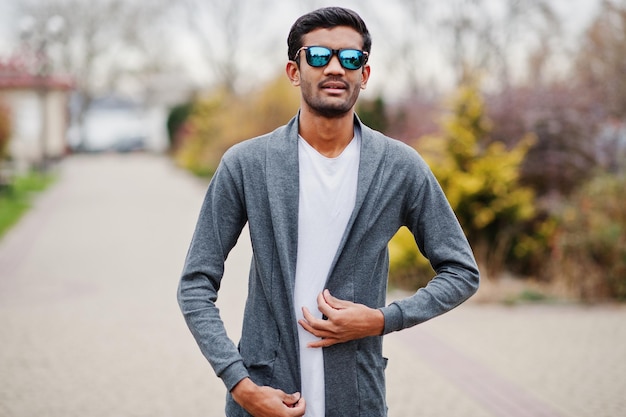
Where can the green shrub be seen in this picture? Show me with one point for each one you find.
(176, 121)
(373, 113)
(16, 199)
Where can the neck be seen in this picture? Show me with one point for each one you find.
(328, 136)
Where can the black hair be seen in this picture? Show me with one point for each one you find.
(325, 18)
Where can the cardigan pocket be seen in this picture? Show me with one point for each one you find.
(371, 384)
(261, 372)
(259, 362)
(259, 345)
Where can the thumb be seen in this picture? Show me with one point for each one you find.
(291, 400)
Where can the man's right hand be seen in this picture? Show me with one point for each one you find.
(266, 401)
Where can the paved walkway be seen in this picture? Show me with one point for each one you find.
(89, 324)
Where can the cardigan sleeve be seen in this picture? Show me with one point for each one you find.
(440, 238)
(219, 225)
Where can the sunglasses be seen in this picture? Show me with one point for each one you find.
(320, 56)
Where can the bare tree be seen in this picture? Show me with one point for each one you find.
(97, 43)
(491, 39)
(601, 61)
(409, 43)
(226, 31)
(475, 35)
(526, 22)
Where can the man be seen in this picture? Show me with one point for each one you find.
(322, 197)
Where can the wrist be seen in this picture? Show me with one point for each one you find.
(243, 389)
(379, 319)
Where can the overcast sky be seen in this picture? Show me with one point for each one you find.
(575, 16)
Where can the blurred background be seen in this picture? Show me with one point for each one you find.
(519, 106)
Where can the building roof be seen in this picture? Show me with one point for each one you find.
(14, 75)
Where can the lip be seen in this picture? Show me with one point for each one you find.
(334, 87)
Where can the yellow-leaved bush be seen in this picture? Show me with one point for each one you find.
(480, 178)
(221, 120)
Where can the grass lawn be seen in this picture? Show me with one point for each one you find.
(16, 198)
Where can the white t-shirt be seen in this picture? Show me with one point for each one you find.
(327, 197)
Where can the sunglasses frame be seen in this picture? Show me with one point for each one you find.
(333, 52)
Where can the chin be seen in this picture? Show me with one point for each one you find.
(331, 110)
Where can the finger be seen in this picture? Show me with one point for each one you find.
(308, 317)
(307, 314)
(290, 400)
(334, 302)
(321, 335)
(306, 326)
(298, 408)
(322, 343)
(315, 332)
(321, 299)
(308, 322)
(313, 321)
(323, 306)
(328, 297)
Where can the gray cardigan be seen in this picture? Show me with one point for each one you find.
(257, 183)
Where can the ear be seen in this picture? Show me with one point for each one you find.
(365, 76)
(293, 73)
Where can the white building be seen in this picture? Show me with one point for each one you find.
(39, 115)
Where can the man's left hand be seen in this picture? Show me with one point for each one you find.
(346, 321)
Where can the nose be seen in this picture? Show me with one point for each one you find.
(334, 66)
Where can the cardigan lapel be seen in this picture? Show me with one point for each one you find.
(282, 178)
(340, 361)
(371, 158)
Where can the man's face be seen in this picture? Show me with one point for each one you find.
(329, 91)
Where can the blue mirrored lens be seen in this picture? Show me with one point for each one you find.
(317, 56)
(351, 58)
